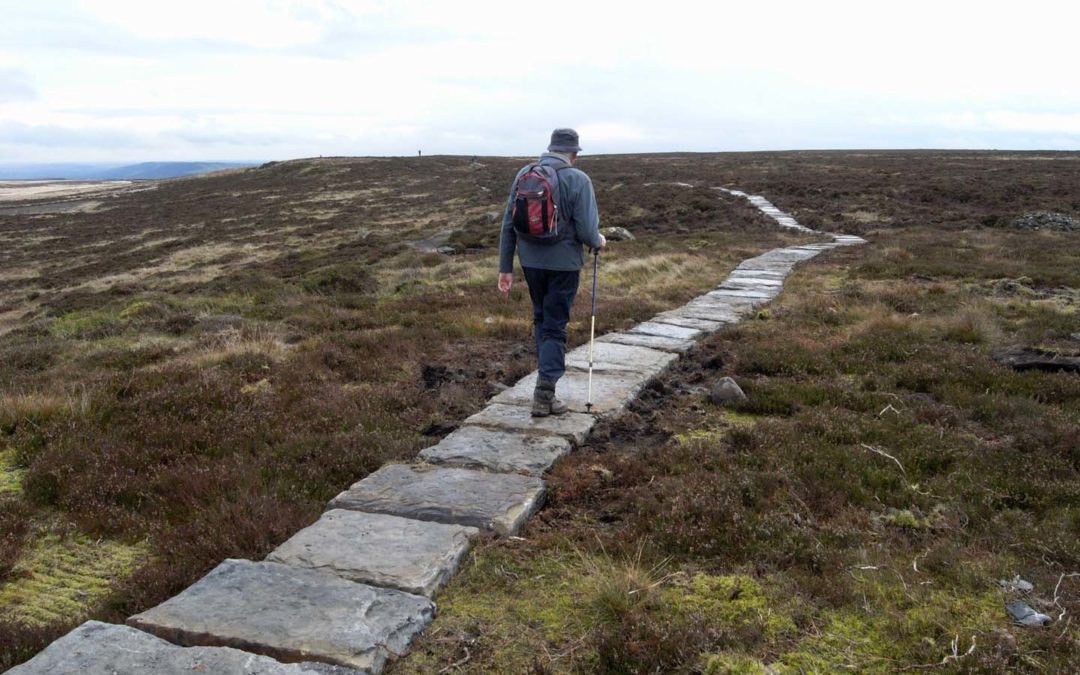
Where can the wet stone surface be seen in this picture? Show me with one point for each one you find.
(410, 555)
(96, 648)
(611, 390)
(504, 451)
(490, 501)
(571, 426)
(291, 614)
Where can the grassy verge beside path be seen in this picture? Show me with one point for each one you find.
(856, 513)
(202, 366)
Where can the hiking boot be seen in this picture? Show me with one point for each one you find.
(544, 401)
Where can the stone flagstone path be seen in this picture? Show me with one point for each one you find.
(352, 591)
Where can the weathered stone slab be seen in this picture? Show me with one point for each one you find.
(611, 390)
(676, 319)
(96, 648)
(739, 273)
(758, 293)
(713, 311)
(572, 426)
(741, 293)
(652, 341)
(666, 330)
(767, 265)
(414, 556)
(491, 501)
(612, 356)
(741, 284)
(787, 254)
(291, 614)
(504, 451)
(848, 240)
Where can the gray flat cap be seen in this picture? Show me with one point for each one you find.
(564, 140)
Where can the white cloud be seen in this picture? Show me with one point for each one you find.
(273, 78)
(15, 86)
(1064, 124)
(262, 24)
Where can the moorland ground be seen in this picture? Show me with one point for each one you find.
(190, 372)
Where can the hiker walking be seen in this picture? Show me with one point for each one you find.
(550, 215)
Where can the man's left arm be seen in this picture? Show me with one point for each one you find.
(587, 215)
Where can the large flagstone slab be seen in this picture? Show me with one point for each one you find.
(611, 390)
(490, 501)
(750, 283)
(743, 273)
(414, 556)
(748, 293)
(788, 255)
(291, 614)
(744, 294)
(704, 325)
(612, 356)
(96, 648)
(774, 266)
(666, 330)
(505, 451)
(668, 344)
(574, 427)
(712, 309)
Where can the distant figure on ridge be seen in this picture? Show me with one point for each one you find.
(551, 213)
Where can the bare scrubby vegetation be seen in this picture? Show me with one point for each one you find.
(858, 510)
(193, 370)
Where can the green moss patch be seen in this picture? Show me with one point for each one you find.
(10, 474)
(61, 578)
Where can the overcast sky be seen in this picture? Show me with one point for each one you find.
(113, 80)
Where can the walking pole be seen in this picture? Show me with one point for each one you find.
(592, 329)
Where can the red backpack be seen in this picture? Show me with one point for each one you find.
(536, 204)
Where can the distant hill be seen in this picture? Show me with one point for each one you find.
(141, 171)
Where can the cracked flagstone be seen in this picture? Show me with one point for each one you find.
(571, 426)
(613, 356)
(414, 556)
(666, 330)
(490, 501)
(667, 344)
(611, 390)
(96, 648)
(503, 451)
(291, 614)
(704, 325)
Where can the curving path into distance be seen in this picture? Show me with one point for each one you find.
(353, 590)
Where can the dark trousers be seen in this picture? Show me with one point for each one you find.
(552, 293)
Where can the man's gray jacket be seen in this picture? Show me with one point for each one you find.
(577, 206)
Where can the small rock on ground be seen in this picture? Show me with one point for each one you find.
(1047, 220)
(617, 234)
(726, 390)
